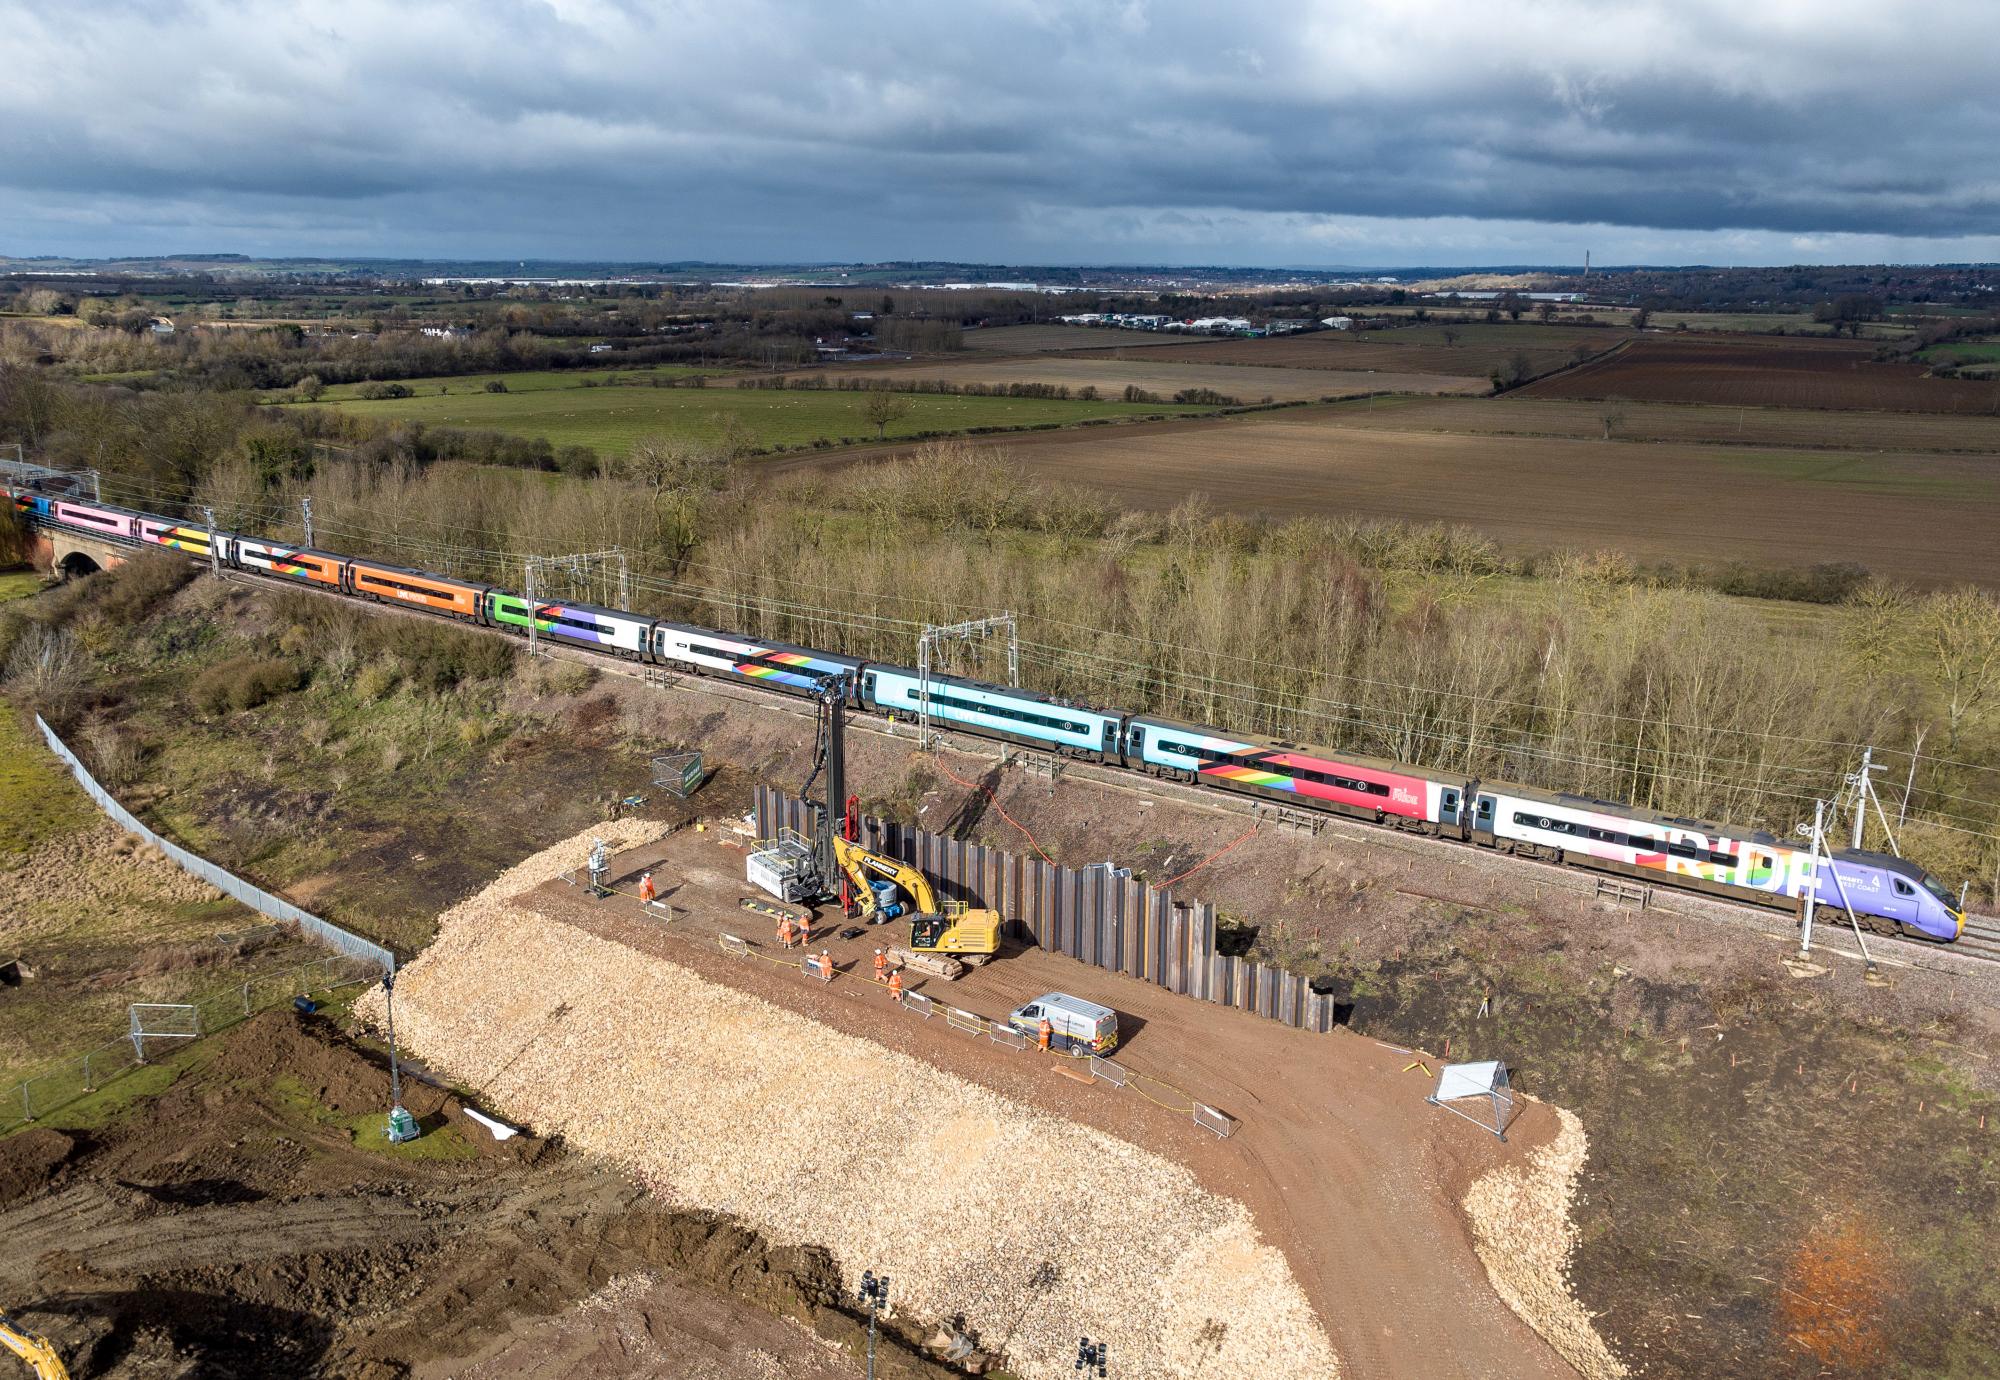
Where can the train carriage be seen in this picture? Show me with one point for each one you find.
(97, 519)
(1744, 865)
(771, 665)
(294, 562)
(994, 711)
(417, 589)
(1362, 787)
(586, 625)
(194, 541)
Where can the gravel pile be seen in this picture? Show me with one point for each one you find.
(1034, 1228)
(1524, 1236)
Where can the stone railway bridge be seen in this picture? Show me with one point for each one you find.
(67, 554)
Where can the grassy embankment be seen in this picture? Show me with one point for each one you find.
(96, 922)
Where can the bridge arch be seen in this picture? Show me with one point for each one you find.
(76, 564)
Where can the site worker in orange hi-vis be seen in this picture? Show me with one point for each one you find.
(784, 931)
(881, 966)
(805, 929)
(896, 986)
(1045, 1031)
(826, 965)
(646, 889)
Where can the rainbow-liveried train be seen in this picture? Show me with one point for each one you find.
(1887, 893)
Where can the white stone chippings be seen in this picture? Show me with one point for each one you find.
(1525, 1238)
(723, 1101)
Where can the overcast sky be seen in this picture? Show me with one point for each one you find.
(1403, 132)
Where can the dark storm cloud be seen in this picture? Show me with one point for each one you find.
(1009, 131)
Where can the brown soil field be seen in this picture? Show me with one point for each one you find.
(1515, 414)
(1754, 372)
(1924, 518)
(1165, 374)
(244, 1224)
(1481, 348)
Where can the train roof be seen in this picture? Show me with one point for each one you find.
(373, 564)
(1887, 862)
(603, 609)
(852, 663)
(1010, 691)
(1639, 812)
(1355, 759)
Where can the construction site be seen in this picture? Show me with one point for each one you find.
(743, 1079)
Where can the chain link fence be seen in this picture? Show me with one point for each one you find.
(34, 1098)
(228, 883)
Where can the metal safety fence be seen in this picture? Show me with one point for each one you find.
(1097, 915)
(53, 1089)
(255, 897)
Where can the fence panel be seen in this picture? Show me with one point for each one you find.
(1116, 923)
(221, 879)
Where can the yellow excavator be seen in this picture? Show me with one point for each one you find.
(36, 1351)
(943, 938)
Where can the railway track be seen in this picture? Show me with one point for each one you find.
(1976, 952)
(1981, 938)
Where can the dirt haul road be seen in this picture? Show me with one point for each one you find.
(1342, 1164)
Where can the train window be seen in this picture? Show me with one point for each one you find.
(387, 581)
(1683, 850)
(1903, 888)
(1553, 826)
(1486, 806)
(1726, 859)
(943, 695)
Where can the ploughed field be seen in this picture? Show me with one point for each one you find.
(1787, 372)
(1922, 517)
(1584, 419)
(1474, 350)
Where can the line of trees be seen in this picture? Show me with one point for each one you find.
(1673, 698)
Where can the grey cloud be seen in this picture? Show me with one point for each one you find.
(1006, 130)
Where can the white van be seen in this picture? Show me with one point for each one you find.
(1076, 1026)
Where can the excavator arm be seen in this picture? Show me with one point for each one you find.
(36, 1351)
(863, 866)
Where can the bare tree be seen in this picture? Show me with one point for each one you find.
(882, 407)
(1960, 630)
(1450, 334)
(1612, 413)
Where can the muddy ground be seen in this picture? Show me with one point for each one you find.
(250, 1221)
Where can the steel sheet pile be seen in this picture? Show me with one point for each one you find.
(1522, 1229)
(1034, 1228)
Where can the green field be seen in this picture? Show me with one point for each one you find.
(518, 381)
(611, 419)
(1769, 323)
(1968, 351)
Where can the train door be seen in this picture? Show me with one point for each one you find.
(1482, 820)
(1900, 904)
(1448, 808)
